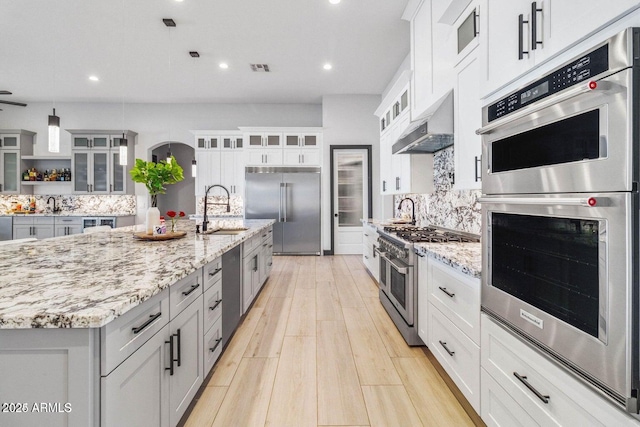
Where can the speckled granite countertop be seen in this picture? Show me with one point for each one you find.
(464, 257)
(81, 214)
(87, 280)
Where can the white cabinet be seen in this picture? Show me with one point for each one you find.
(302, 140)
(232, 171)
(208, 169)
(13, 145)
(433, 52)
(304, 156)
(66, 226)
(512, 370)
(232, 142)
(256, 265)
(212, 340)
(95, 162)
(370, 257)
(423, 298)
(258, 139)
(264, 157)
(250, 278)
(208, 142)
(220, 159)
(386, 174)
(280, 146)
(39, 227)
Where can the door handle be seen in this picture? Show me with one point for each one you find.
(534, 29)
(178, 339)
(286, 204)
(521, 51)
(218, 341)
(280, 205)
(444, 345)
(170, 342)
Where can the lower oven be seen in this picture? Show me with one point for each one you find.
(561, 271)
(398, 285)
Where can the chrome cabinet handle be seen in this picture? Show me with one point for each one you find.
(523, 380)
(444, 345)
(478, 164)
(449, 294)
(534, 22)
(521, 50)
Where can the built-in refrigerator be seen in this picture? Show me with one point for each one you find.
(290, 196)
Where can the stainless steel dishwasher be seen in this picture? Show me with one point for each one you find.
(6, 228)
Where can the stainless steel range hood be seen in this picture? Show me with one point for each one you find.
(431, 132)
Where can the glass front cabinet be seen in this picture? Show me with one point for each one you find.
(13, 145)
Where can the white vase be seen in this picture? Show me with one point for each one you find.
(153, 219)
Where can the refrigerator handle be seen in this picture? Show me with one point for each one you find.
(280, 205)
(286, 207)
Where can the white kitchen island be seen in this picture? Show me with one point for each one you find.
(103, 329)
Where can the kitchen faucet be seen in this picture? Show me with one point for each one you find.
(54, 203)
(205, 221)
(413, 209)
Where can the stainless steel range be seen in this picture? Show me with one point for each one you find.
(398, 272)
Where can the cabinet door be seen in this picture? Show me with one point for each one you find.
(250, 267)
(208, 170)
(421, 57)
(81, 172)
(81, 141)
(292, 140)
(136, 393)
(500, 41)
(100, 172)
(273, 140)
(117, 185)
(187, 336)
(67, 230)
(100, 141)
(423, 301)
(44, 231)
(10, 172)
(22, 231)
(292, 157)
(273, 157)
(310, 140)
(10, 141)
(386, 179)
(310, 157)
(232, 171)
(467, 118)
(256, 140)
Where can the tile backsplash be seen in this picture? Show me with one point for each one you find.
(445, 207)
(121, 204)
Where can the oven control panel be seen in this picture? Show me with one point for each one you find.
(570, 74)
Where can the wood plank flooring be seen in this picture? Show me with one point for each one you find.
(317, 349)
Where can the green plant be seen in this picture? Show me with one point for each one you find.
(156, 175)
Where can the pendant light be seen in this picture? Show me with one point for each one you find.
(193, 168)
(123, 150)
(169, 154)
(123, 154)
(54, 133)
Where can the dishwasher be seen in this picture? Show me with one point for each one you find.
(6, 228)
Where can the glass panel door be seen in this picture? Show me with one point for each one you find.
(81, 141)
(100, 172)
(100, 142)
(81, 172)
(227, 142)
(10, 161)
(291, 140)
(273, 140)
(399, 287)
(10, 141)
(255, 140)
(202, 143)
(550, 263)
(310, 141)
(117, 174)
(350, 185)
(238, 142)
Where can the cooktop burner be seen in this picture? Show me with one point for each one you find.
(430, 234)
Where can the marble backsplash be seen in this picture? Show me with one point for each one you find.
(120, 204)
(217, 206)
(445, 207)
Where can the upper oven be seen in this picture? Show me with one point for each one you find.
(570, 131)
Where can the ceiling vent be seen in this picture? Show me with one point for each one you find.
(259, 67)
(169, 22)
(194, 54)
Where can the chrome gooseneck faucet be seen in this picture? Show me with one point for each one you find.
(205, 221)
(413, 209)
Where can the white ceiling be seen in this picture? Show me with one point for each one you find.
(49, 48)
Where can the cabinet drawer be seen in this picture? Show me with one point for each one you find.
(250, 244)
(499, 409)
(463, 364)
(22, 220)
(68, 221)
(212, 305)
(212, 273)
(457, 296)
(212, 346)
(184, 292)
(125, 334)
(504, 355)
(43, 220)
(266, 244)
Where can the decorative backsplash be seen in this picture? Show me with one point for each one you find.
(446, 207)
(121, 204)
(217, 206)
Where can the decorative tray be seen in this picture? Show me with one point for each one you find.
(168, 236)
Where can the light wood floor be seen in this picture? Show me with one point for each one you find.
(318, 349)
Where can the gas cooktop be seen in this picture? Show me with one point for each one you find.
(430, 234)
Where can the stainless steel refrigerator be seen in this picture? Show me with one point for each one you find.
(291, 196)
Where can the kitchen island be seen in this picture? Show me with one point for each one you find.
(79, 315)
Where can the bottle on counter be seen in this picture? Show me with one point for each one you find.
(32, 204)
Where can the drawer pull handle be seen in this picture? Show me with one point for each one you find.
(152, 318)
(214, 272)
(218, 341)
(444, 345)
(216, 305)
(193, 288)
(523, 380)
(449, 294)
(170, 342)
(264, 245)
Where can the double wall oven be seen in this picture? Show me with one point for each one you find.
(561, 215)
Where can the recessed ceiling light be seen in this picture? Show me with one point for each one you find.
(334, 1)
(327, 66)
(223, 65)
(94, 78)
(179, 1)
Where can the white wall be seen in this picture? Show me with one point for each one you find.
(180, 196)
(348, 120)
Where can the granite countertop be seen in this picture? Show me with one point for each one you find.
(81, 214)
(87, 280)
(464, 257)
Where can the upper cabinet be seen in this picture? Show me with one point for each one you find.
(521, 34)
(433, 53)
(268, 139)
(13, 145)
(208, 142)
(283, 146)
(95, 161)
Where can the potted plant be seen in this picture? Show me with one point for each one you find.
(155, 176)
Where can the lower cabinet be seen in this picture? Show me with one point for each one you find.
(256, 265)
(67, 226)
(38, 227)
(370, 257)
(250, 278)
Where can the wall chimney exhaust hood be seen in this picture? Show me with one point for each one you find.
(431, 132)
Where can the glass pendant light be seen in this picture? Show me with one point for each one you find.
(123, 150)
(193, 168)
(169, 154)
(54, 133)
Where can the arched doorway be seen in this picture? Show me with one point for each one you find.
(180, 196)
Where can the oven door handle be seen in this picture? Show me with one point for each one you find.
(590, 86)
(401, 267)
(588, 202)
